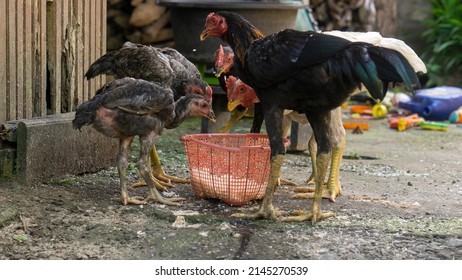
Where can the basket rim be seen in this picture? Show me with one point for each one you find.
(192, 137)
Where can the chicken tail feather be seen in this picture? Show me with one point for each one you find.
(366, 71)
(362, 70)
(393, 66)
(86, 112)
(101, 66)
(83, 116)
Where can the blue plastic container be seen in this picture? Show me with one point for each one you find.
(435, 103)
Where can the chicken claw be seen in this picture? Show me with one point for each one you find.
(301, 216)
(285, 182)
(266, 212)
(164, 181)
(160, 185)
(125, 199)
(163, 200)
(308, 192)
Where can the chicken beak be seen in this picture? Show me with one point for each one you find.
(233, 104)
(219, 71)
(211, 116)
(204, 34)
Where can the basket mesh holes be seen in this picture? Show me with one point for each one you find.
(233, 177)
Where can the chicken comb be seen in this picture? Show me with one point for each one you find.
(219, 56)
(230, 82)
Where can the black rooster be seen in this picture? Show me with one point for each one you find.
(163, 65)
(308, 72)
(128, 107)
(240, 93)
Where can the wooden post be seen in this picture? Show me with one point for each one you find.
(45, 48)
(386, 17)
(3, 63)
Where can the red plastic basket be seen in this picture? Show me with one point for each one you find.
(231, 167)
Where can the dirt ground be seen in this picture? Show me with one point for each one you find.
(401, 200)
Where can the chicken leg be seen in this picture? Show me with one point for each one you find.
(162, 180)
(267, 210)
(236, 115)
(146, 172)
(315, 215)
(337, 137)
(333, 185)
(122, 165)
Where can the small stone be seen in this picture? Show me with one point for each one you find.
(454, 242)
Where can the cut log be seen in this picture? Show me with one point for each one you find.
(146, 13)
(150, 32)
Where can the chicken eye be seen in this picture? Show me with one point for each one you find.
(242, 90)
(213, 21)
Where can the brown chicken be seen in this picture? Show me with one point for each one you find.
(129, 107)
(163, 65)
(311, 73)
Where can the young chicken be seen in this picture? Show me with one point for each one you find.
(163, 65)
(129, 107)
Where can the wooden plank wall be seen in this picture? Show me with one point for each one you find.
(45, 48)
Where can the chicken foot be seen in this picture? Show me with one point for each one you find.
(146, 173)
(285, 182)
(163, 180)
(315, 214)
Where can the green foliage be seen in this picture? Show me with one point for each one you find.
(443, 54)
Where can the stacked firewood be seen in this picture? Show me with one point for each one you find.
(140, 21)
(352, 15)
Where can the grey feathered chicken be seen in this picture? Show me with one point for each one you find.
(163, 65)
(128, 107)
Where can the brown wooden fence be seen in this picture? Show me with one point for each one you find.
(45, 48)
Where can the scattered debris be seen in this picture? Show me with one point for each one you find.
(140, 234)
(434, 126)
(358, 130)
(26, 223)
(383, 200)
(363, 126)
(185, 212)
(180, 222)
(20, 238)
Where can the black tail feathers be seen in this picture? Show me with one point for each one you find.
(86, 112)
(393, 67)
(377, 67)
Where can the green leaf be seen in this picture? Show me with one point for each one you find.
(443, 46)
(20, 238)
